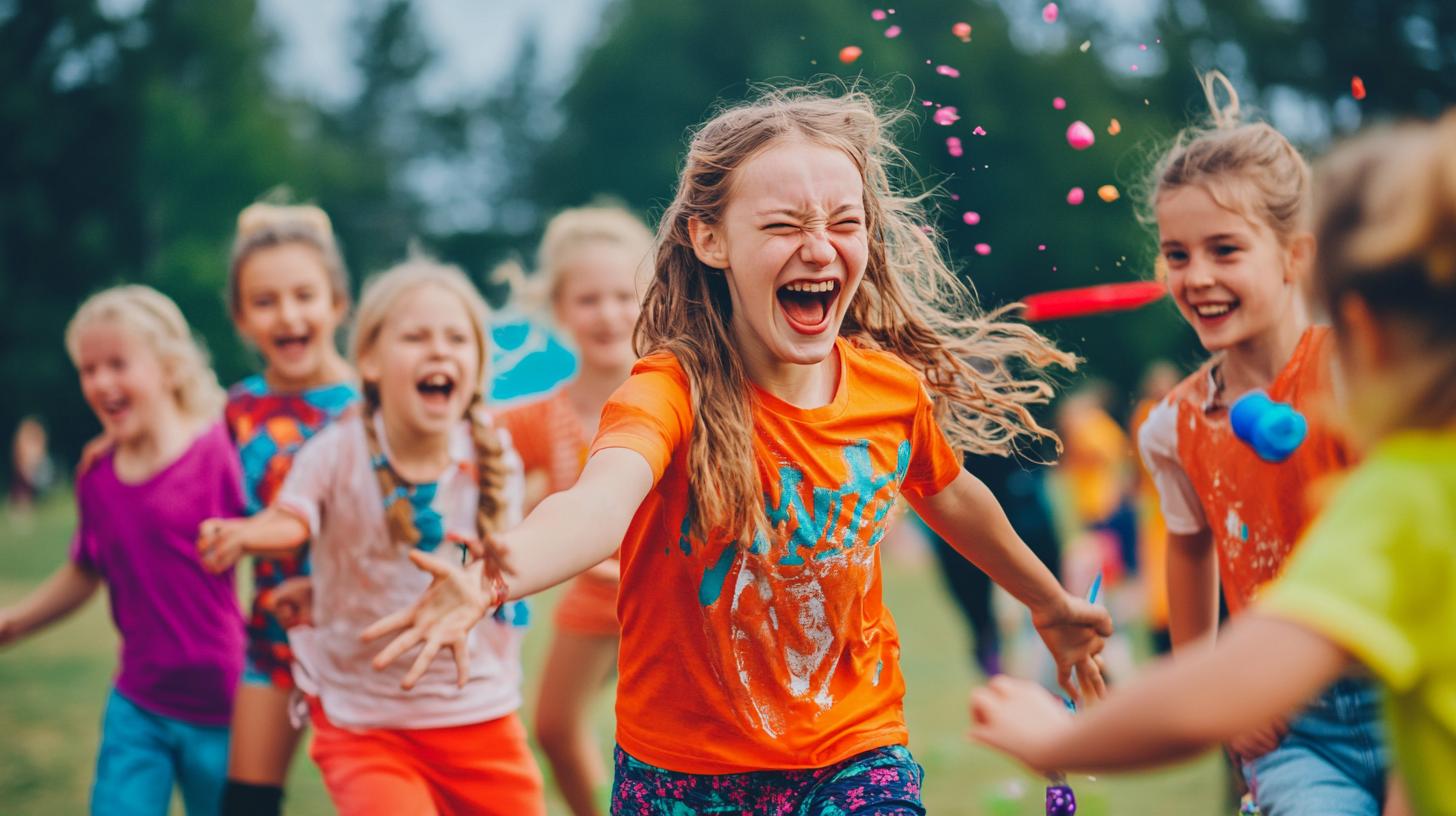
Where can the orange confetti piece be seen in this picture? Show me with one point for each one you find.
(849, 54)
(1108, 193)
(1114, 127)
(1357, 87)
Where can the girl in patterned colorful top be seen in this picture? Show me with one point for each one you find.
(1371, 582)
(288, 293)
(593, 267)
(1231, 206)
(420, 477)
(804, 345)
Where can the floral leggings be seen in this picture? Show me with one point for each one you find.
(881, 781)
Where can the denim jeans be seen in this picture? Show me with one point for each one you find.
(1331, 763)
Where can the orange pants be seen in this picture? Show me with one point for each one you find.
(484, 768)
(588, 607)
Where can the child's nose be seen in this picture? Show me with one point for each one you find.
(817, 249)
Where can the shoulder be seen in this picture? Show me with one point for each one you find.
(661, 365)
(879, 370)
(1192, 389)
(249, 387)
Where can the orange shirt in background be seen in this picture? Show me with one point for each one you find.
(779, 654)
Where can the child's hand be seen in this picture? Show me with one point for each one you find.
(1260, 741)
(441, 618)
(291, 602)
(220, 542)
(1074, 633)
(1019, 718)
(10, 629)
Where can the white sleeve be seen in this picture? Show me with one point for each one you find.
(1158, 444)
(303, 490)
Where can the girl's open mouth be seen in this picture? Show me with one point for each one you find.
(1214, 313)
(807, 305)
(436, 389)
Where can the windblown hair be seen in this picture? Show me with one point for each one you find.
(382, 294)
(152, 317)
(982, 372)
(265, 225)
(1386, 227)
(1246, 167)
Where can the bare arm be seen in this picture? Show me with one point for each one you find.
(967, 515)
(1192, 588)
(1262, 668)
(273, 532)
(64, 592)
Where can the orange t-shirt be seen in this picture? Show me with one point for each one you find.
(781, 654)
(1255, 510)
(549, 438)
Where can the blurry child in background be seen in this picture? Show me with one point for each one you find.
(594, 264)
(169, 466)
(31, 470)
(421, 476)
(288, 293)
(1370, 585)
(1159, 379)
(1230, 204)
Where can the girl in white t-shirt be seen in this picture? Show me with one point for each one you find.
(422, 476)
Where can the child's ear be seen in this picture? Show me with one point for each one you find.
(708, 243)
(1301, 257)
(368, 367)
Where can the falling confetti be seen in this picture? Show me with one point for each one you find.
(979, 131)
(1357, 87)
(877, 15)
(1059, 104)
(962, 30)
(953, 147)
(1049, 13)
(1114, 127)
(849, 53)
(892, 32)
(972, 218)
(946, 70)
(1133, 67)
(1075, 196)
(1041, 247)
(983, 249)
(1108, 193)
(946, 116)
(1086, 44)
(1142, 46)
(1079, 136)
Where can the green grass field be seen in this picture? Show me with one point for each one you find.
(52, 687)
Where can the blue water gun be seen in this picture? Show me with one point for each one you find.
(1273, 429)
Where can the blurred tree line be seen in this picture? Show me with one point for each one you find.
(129, 141)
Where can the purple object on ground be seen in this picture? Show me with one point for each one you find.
(1060, 801)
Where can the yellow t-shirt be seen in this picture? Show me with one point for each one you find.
(1376, 573)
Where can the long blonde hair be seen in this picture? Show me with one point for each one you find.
(1386, 227)
(152, 317)
(982, 372)
(263, 225)
(382, 293)
(568, 232)
(1246, 167)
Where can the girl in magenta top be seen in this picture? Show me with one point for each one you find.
(171, 465)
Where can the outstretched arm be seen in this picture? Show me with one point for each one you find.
(567, 533)
(1262, 668)
(273, 532)
(63, 593)
(967, 515)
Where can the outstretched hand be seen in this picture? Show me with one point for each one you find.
(1075, 633)
(291, 602)
(440, 619)
(1019, 718)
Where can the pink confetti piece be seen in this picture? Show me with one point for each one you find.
(1134, 68)
(979, 131)
(962, 30)
(1049, 13)
(1041, 247)
(971, 217)
(1079, 136)
(946, 70)
(850, 53)
(953, 147)
(955, 196)
(877, 15)
(983, 249)
(1075, 196)
(1059, 104)
(946, 116)
(1142, 46)
(892, 32)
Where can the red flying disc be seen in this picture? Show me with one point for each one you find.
(1088, 300)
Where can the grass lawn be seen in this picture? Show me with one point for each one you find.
(53, 685)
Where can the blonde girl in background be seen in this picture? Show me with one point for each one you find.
(288, 294)
(422, 475)
(1231, 205)
(1370, 584)
(593, 266)
(804, 344)
(169, 464)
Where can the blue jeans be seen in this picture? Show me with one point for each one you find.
(142, 754)
(1331, 763)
